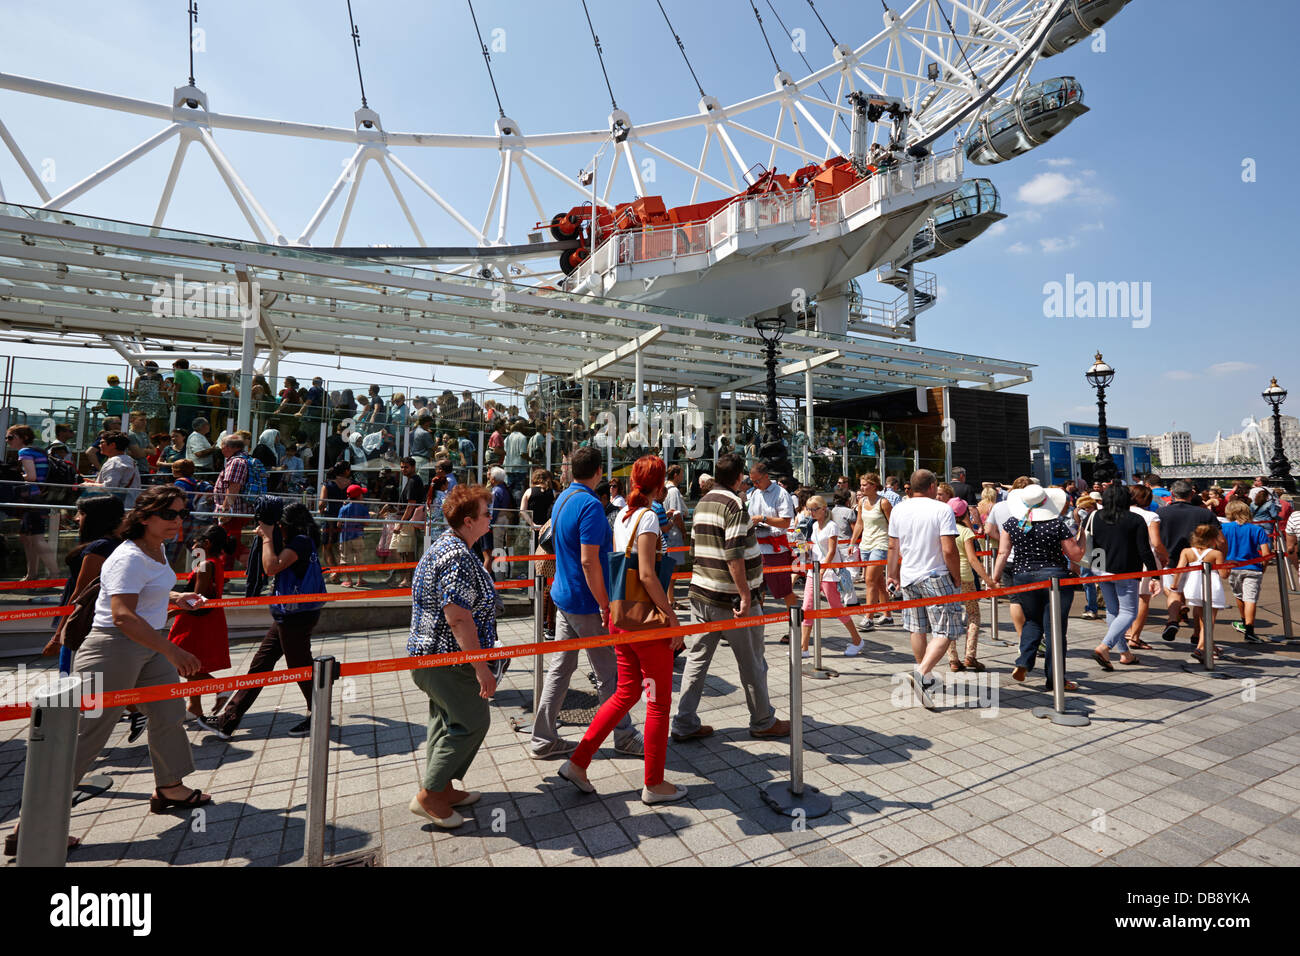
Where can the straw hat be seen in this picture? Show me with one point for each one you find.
(1036, 503)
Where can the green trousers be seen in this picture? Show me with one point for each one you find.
(458, 722)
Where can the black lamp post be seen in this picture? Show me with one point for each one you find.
(1279, 468)
(1099, 376)
(772, 452)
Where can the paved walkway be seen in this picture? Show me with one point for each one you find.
(1177, 768)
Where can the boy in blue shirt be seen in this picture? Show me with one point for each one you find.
(351, 533)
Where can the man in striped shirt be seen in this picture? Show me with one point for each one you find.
(726, 583)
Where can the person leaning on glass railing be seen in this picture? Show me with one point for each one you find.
(453, 609)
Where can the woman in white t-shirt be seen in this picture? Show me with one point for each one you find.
(824, 544)
(646, 665)
(128, 647)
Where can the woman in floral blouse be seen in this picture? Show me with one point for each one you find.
(454, 609)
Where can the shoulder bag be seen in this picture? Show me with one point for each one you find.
(630, 607)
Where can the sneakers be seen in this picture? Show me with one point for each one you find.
(1252, 637)
(1240, 626)
(633, 748)
(138, 724)
(779, 729)
(302, 728)
(806, 654)
(1170, 632)
(886, 621)
(219, 726)
(853, 650)
(554, 750)
(921, 687)
(868, 626)
(1089, 615)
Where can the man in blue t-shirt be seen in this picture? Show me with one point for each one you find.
(582, 540)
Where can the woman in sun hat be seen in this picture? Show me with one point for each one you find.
(1044, 547)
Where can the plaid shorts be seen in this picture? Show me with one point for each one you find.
(941, 620)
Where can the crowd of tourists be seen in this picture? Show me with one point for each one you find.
(755, 544)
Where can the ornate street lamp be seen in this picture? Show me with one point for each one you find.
(772, 452)
(1279, 468)
(1100, 376)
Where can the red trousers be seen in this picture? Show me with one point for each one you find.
(648, 667)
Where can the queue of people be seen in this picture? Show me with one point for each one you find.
(922, 543)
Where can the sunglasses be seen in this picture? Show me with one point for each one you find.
(173, 514)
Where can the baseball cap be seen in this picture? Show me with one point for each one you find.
(958, 506)
(355, 491)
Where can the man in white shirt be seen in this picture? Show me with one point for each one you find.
(771, 511)
(923, 563)
(198, 448)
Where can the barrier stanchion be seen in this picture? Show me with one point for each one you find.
(795, 798)
(815, 670)
(47, 780)
(994, 634)
(1057, 713)
(324, 671)
(1207, 612)
(539, 660)
(1283, 589)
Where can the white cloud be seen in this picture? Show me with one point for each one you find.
(1063, 161)
(1229, 368)
(1029, 215)
(1217, 370)
(1055, 244)
(942, 292)
(1092, 227)
(1018, 248)
(1046, 188)
(997, 229)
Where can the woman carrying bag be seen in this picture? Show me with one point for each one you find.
(638, 602)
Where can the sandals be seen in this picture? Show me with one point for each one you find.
(160, 804)
(1135, 660)
(1102, 662)
(1138, 644)
(974, 665)
(956, 666)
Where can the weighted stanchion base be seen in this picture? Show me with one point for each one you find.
(92, 785)
(807, 805)
(816, 673)
(1068, 719)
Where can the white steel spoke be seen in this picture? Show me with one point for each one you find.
(117, 165)
(349, 169)
(528, 183)
(23, 164)
(802, 154)
(582, 190)
(352, 198)
(165, 200)
(401, 200)
(699, 174)
(496, 194)
(429, 191)
(704, 155)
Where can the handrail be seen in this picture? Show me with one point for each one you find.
(751, 213)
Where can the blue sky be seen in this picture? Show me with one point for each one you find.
(1145, 188)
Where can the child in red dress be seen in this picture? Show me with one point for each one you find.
(203, 632)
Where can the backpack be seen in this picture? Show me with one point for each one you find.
(61, 480)
(311, 581)
(256, 478)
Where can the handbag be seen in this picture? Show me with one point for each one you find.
(288, 582)
(630, 607)
(72, 632)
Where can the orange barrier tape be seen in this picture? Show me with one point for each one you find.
(552, 647)
(156, 692)
(960, 596)
(23, 585)
(186, 575)
(265, 599)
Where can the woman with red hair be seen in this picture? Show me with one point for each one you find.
(646, 665)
